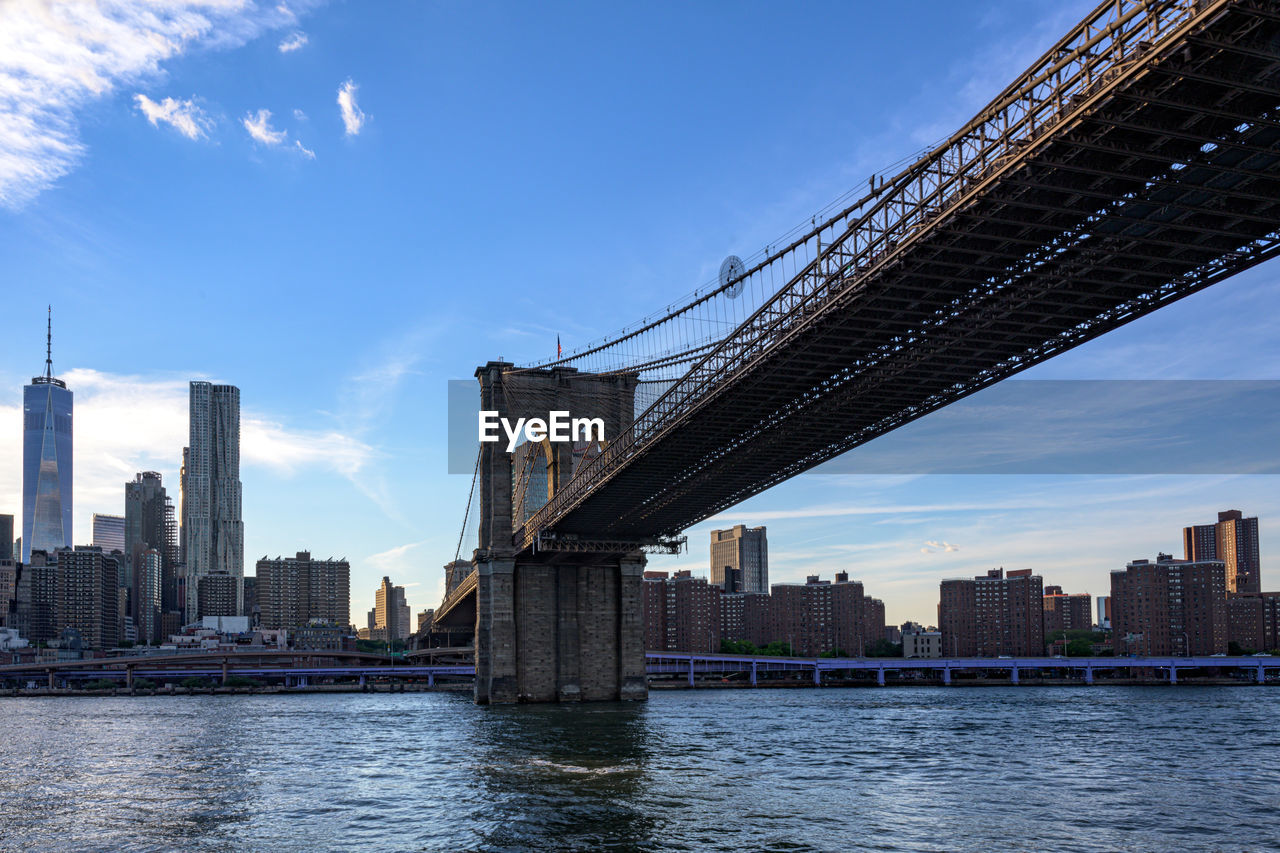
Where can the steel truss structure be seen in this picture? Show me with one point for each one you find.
(1137, 162)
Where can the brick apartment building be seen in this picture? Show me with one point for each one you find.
(1001, 613)
(684, 613)
(1170, 607)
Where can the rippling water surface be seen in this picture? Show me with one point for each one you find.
(1191, 768)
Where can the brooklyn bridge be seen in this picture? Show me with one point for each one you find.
(1134, 163)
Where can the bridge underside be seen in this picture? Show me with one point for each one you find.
(1162, 180)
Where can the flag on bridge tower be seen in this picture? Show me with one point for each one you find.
(559, 352)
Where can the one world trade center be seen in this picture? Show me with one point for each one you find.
(46, 461)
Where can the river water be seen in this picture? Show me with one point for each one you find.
(898, 768)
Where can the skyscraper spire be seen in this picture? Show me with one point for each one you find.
(48, 348)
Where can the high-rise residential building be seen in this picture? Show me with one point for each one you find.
(293, 591)
(873, 620)
(390, 612)
(993, 615)
(1066, 612)
(8, 591)
(46, 461)
(87, 594)
(35, 597)
(743, 548)
(1169, 607)
(108, 532)
(1234, 541)
(6, 536)
(146, 597)
(212, 527)
(1253, 621)
(680, 613)
(150, 524)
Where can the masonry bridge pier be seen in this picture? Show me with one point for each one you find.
(1133, 164)
(558, 620)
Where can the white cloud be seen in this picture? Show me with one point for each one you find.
(259, 126)
(126, 424)
(184, 116)
(57, 57)
(352, 118)
(299, 115)
(306, 152)
(293, 42)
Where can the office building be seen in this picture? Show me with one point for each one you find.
(996, 614)
(212, 527)
(293, 591)
(108, 532)
(87, 594)
(46, 461)
(1104, 612)
(1169, 607)
(390, 614)
(6, 537)
(151, 524)
(1234, 541)
(745, 549)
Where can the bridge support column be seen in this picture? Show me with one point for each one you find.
(128, 677)
(690, 670)
(224, 672)
(495, 632)
(753, 673)
(1088, 675)
(880, 676)
(946, 675)
(817, 676)
(50, 679)
(1173, 673)
(565, 629)
(1013, 675)
(1262, 674)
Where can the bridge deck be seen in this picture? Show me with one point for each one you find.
(1155, 180)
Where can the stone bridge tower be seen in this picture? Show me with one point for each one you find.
(552, 625)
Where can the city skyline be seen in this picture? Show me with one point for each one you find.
(343, 445)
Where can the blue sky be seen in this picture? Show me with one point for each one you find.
(505, 173)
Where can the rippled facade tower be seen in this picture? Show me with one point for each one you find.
(46, 461)
(212, 527)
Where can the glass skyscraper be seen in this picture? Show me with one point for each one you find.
(46, 461)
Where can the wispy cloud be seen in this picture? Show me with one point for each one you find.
(933, 546)
(259, 126)
(293, 41)
(305, 151)
(183, 116)
(57, 57)
(352, 117)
